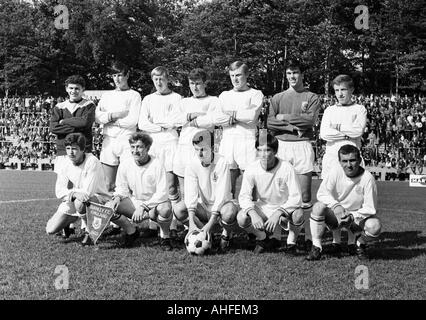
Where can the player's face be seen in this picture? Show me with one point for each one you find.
(120, 80)
(75, 91)
(294, 77)
(238, 79)
(75, 154)
(161, 83)
(139, 152)
(198, 87)
(350, 164)
(343, 93)
(204, 153)
(266, 156)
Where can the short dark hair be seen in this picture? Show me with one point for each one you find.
(348, 149)
(343, 78)
(141, 136)
(270, 140)
(294, 64)
(237, 64)
(199, 138)
(75, 79)
(76, 138)
(196, 74)
(118, 66)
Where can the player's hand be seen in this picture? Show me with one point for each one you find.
(139, 215)
(194, 115)
(273, 221)
(256, 221)
(119, 114)
(334, 126)
(114, 203)
(80, 196)
(280, 117)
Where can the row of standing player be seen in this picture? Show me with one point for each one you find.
(291, 117)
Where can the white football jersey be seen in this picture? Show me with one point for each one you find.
(275, 188)
(145, 183)
(87, 178)
(116, 101)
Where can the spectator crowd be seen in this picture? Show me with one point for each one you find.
(394, 137)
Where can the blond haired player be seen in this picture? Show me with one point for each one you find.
(208, 198)
(85, 173)
(342, 123)
(141, 190)
(156, 118)
(347, 197)
(243, 105)
(279, 198)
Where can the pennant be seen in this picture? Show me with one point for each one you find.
(98, 217)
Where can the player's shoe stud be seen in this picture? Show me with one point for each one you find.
(315, 254)
(361, 252)
(129, 239)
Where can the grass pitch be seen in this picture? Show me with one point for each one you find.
(29, 258)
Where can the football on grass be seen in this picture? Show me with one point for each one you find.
(197, 242)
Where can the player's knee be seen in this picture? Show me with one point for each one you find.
(164, 210)
(228, 213)
(318, 210)
(180, 211)
(79, 206)
(373, 227)
(297, 217)
(50, 227)
(243, 218)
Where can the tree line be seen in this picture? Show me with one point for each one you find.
(387, 55)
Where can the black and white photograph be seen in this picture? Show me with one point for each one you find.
(212, 156)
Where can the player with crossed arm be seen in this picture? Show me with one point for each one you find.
(85, 173)
(194, 115)
(73, 115)
(243, 105)
(342, 123)
(279, 198)
(141, 190)
(292, 115)
(347, 197)
(208, 197)
(156, 118)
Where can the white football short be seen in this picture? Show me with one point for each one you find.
(300, 154)
(115, 150)
(183, 155)
(238, 151)
(165, 152)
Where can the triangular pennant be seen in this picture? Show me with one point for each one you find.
(98, 217)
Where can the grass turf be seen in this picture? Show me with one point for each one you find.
(29, 258)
